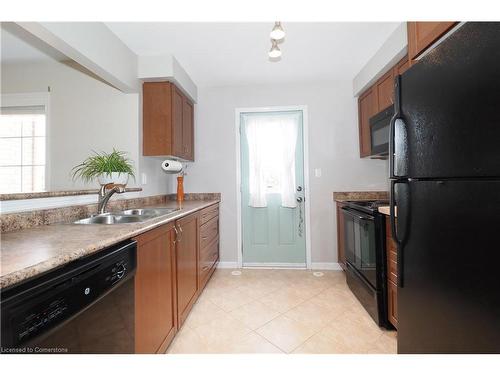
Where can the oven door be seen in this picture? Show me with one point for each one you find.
(360, 243)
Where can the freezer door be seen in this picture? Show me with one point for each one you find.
(450, 113)
(450, 299)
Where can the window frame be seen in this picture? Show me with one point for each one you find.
(33, 99)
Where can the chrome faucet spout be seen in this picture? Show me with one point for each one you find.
(105, 193)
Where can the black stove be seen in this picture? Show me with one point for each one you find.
(367, 206)
(364, 236)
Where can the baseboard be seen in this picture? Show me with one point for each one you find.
(333, 266)
(326, 266)
(275, 265)
(227, 265)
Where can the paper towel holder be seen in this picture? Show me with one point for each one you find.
(172, 166)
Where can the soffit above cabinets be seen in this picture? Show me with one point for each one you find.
(166, 68)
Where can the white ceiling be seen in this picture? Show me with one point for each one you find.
(219, 54)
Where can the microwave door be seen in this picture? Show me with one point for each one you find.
(380, 132)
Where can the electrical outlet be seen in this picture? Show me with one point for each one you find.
(317, 172)
(144, 178)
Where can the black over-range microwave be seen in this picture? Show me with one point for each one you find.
(379, 132)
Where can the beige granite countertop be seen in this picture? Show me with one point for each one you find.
(342, 196)
(386, 210)
(29, 252)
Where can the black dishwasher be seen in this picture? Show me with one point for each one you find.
(86, 306)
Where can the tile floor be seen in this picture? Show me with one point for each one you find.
(280, 311)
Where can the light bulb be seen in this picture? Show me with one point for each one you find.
(275, 50)
(277, 33)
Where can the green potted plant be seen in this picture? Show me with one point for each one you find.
(112, 167)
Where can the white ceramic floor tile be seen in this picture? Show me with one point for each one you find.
(280, 311)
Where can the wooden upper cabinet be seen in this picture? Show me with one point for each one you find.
(186, 265)
(422, 35)
(366, 109)
(402, 66)
(188, 129)
(177, 122)
(168, 121)
(384, 91)
(155, 310)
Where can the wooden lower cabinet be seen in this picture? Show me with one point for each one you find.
(186, 256)
(172, 270)
(209, 244)
(340, 236)
(392, 301)
(155, 310)
(392, 274)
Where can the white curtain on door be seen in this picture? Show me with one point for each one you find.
(272, 141)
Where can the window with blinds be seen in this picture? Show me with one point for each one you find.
(22, 149)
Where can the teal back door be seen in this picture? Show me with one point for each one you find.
(273, 235)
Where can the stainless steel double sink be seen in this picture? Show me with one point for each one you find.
(135, 215)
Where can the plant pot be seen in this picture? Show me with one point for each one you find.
(116, 178)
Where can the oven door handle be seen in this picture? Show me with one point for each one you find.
(354, 214)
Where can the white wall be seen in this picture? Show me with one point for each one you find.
(391, 52)
(333, 147)
(85, 114)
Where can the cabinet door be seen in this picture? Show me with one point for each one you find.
(157, 118)
(177, 122)
(187, 129)
(366, 109)
(186, 265)
(422, 35)
(392, 274)
(392, 303)
(385, 91)
(155, 313)
(402, 66)
(340, 236)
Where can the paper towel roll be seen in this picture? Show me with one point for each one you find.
(171, 166)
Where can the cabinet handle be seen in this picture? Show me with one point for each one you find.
(204, 268)
(181, 235)
(176, 233)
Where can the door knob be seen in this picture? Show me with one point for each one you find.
(299, 199)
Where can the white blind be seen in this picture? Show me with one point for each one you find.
(23, 110)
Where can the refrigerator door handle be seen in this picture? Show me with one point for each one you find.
(400, 235)
(392, 125)
(398, 160)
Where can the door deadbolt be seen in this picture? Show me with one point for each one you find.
(299, 188)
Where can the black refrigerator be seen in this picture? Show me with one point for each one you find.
(445, 187)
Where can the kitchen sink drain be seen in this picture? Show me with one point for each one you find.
(318, 274)
(236, 273)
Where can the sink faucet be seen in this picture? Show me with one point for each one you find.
(105, 192)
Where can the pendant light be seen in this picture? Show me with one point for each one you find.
(275, 51)
(277, 33)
